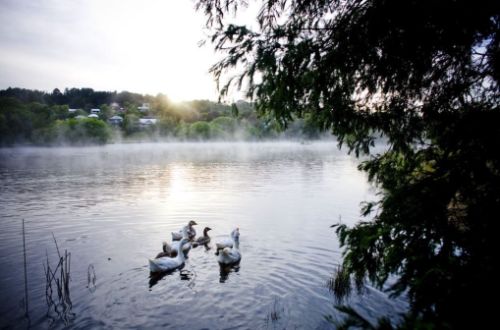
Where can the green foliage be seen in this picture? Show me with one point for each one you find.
(354, 319)
(106, 112)
(182, 131)
(15, 121)
(234, 110)
(425, 76)
(131, 123)
(33, 122)
(74, 131)
(225, 124)
(168, 126)
(95, 130)
(199, 130)
(25, 95)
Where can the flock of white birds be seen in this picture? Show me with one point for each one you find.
(174, 255)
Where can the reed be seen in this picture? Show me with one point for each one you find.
(340, 284)
(26, 299)
(57, 288)
(91, 278)
(275, 314)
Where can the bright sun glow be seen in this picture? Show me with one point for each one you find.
(145, 47)
(180, 193)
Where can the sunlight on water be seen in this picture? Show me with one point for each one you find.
(111, 207)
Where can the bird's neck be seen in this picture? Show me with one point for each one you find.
(205, 233)
(180, 255)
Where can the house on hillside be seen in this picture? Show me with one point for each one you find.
(144, 107)
(93, 115)
(147, 122)
(115, 106)
(115, 120)
(95, 111)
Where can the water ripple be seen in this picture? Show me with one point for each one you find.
(112, 206)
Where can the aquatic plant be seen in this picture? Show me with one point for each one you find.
(57, 289)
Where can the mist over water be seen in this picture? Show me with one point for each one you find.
(112, 206)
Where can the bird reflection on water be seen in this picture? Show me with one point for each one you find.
(137, 193)
(190, 276)
(185, 275)
(225, 270)
(155, 277)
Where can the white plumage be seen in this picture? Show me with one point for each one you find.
(231, 255)
(167, 263)
(176, 236)
(228, 241)
(185, 247)
(187, 231)
(167, 251)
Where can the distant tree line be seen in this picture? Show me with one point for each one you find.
(83, 98)
(42, 118)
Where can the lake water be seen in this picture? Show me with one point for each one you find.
(112, 206)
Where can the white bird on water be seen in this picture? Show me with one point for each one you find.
(167, 251)
(228, 241)
(231, 255)
(163, 264)
(186, 231)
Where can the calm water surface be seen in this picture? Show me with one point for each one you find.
(111, 207)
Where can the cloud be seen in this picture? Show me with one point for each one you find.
(143, 46)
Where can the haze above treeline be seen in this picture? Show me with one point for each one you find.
(83, 116)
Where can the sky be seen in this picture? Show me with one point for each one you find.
(143, 46)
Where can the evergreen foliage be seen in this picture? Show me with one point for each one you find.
(423, 74)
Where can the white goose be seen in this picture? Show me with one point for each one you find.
(228, 241)
(167, 251)
(167, 263)
(231, 255)
(187, 231)
(176, 246)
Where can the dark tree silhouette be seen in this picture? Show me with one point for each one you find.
(423, 74)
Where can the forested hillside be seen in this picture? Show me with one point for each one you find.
(85, 116)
